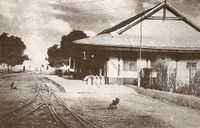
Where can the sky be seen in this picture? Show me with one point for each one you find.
(42, 23)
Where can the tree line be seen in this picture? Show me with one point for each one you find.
(12, 50)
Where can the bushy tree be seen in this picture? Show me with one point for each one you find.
(67, 42)
(55, 56)
(195, 88)
(12, 50)
(145, 77)
(58, 56)
(161, 67)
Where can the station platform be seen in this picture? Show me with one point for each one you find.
(80, 86)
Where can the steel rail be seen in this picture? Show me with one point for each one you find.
(31, 112)
(75, 114)
(27, 110)
(60, 118)
(24, 105)
(72, 112)
(50, 110)
(55, 116)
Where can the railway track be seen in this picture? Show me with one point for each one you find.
(46, 98)
(15, 115)
(63, 115)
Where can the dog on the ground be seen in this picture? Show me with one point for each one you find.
(114, 103)
(13, 86)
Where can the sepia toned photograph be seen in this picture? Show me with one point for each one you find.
(100, 64)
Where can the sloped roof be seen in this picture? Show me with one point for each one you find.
(132, 41)
(131, 22)
(126, 22)
(172, 40)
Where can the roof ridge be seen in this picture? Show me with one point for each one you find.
(125, 22)
(131, 22)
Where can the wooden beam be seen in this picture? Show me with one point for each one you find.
(164, 10)
(131, 22)
(179, 14)
(126, 22)
(158, 8)
(166, 18)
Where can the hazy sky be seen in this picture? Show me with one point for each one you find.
(41, 23)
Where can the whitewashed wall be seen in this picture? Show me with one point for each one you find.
(114, 63)
(182, 76)
(182, 72)
(112, 67)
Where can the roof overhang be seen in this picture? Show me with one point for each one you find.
(137, 48)
(105, 38)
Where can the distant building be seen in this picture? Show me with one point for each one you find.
(162, 31)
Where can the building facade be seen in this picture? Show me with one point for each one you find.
(160, 35)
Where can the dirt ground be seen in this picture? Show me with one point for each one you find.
(11, 99)
(91, 102)
(134, 110)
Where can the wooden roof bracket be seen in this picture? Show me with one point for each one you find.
(165, 6)
(131, 22)
(141, 19)
(166, 18)
(179, 14)
(128, 21)
(164, 10)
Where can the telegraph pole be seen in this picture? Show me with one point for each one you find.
(140, 54)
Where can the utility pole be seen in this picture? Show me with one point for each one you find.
(140, 54)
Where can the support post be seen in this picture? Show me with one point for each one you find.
(175, 84)
(164, 11)
(140, 54)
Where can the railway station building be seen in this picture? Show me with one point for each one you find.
(120, 52)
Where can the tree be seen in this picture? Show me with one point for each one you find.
(12, 50)
(57, 57)
(161, 67)
(195, 87)
(67, 41)
(3, 39)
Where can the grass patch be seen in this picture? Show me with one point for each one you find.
(179, 99)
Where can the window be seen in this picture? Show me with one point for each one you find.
(129, 65)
